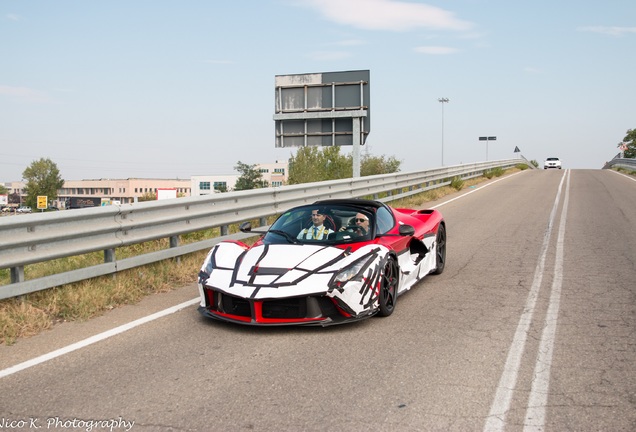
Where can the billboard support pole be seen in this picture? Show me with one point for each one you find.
(356, 146)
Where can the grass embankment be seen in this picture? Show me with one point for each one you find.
(33, 313)
(625, 171)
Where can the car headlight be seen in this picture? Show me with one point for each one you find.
(353, 270)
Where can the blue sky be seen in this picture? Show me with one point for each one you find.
(171, 89)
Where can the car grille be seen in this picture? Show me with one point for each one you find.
(298, 309)
(285, 308)
(235, 305)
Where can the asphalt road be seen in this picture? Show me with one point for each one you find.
(532, 326)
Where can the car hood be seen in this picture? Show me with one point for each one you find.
(277, 271)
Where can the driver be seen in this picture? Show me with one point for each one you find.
(361, 226)
(317, 231)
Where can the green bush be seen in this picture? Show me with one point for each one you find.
(457, 183)
(498, 172)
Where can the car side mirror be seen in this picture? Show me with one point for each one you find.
(406, 230)
(246, 227)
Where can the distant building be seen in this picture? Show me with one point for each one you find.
(110, 190)
(130, 190)
(122, 190)
(206, 185)
(275, 174)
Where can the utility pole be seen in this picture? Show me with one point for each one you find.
(443, 101)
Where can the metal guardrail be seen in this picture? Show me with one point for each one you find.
(43, 237)
(619, 162)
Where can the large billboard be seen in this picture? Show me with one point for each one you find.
(322, 109)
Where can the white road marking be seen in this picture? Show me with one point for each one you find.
(475, 190)
(624, 175)
(496, 420)
(535, 413)
(93, 339)
(109, 333)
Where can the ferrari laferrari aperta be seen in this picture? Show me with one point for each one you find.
(325, 263)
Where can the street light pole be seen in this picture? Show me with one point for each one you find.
(443, 101)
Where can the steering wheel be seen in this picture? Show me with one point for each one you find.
(354, 229)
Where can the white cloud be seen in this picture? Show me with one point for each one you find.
(532, 70)
(350, 42)
(13, 17)
(392, 15)
(612, 31)
(24, 94)
(435, 50)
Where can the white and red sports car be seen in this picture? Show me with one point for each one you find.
(360, 257)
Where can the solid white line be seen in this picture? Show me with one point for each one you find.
(496, 420)
(93, 339)
(537, 403)
(624, 175)
(475, 190)
(109, 333)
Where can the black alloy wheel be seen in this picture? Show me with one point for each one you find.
(388, 287)
(440, 255)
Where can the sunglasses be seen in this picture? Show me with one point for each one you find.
(361, 220)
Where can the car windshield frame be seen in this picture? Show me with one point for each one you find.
(339, 218)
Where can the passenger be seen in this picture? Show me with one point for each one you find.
(318, 231)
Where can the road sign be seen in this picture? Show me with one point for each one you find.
(490, 138)
(323, 109)
(42, 202)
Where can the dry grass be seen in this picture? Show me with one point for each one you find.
(29, 315)
(33, 313)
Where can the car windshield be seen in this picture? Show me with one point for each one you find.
(319, 224)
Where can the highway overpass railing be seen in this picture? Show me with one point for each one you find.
(43, 237)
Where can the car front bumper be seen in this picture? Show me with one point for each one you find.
(304, 310)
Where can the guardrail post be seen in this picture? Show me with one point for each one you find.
(17, 274)
(99, 234)
(109, 255)
(174, 242)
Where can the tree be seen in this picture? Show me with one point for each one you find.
(42, 178)
(372, 165)
(14, 198)
(315, 164)
(147, 196)
(630, 142)
(3, 190)
(250, 177)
